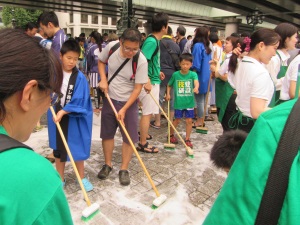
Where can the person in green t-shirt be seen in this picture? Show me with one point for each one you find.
(30, 189)
(185, 84)
(151, 51)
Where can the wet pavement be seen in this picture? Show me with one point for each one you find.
(190, 184)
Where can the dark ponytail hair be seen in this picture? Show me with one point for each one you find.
(201, 35)
(265, 35)
(22, 59)
(98, 39)
(234, 58)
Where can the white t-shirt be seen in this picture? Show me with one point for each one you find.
(218, 50)
(122, 86)
(251, 79)
(224, 67)
(64, 87)
(291, 75)
(274, 67)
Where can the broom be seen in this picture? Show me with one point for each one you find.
(160, 198)
(202, 129)
(92, 209)
(169, 146)
(189, 151)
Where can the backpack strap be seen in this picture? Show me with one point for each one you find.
(8, 143)
(134, 60)
(278, 180)
(113, 49)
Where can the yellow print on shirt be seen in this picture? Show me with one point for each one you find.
(184, 87)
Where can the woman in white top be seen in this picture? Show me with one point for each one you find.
(224, 91)
(277, 67)
(252, 81)
(288, 90)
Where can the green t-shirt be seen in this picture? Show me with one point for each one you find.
(30, 190)
(148, 50)
(183, 86)
(240, 196)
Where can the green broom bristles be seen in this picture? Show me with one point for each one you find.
(85, 219)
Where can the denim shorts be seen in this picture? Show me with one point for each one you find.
(188, 113)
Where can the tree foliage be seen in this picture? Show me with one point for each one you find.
(21, 15)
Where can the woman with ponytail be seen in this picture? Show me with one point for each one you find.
(252, 81)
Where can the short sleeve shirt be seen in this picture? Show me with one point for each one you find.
(148, 50)
(252, 80)
(121, 87)
(183, 85)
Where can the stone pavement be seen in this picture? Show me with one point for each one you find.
(191, 185)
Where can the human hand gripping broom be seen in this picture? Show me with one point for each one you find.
(92, 209)
(189, 151)
(160, 198)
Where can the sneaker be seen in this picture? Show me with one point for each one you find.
(189, 143)
(63, 183)
(87, 184)
(124, 177)
(173, 139)
(152, 124)
(104, 172)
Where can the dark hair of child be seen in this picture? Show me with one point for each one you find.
(186, 56)
(70, 46)
(227, 147)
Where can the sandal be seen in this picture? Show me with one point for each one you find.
(209, 118)
(145, 148)
(194, 125)
(149, 137)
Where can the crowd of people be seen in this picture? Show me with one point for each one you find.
(245, 77)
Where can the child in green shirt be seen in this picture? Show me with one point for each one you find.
(185, 84)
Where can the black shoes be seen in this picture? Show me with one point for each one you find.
(124, 177)
(104, 172)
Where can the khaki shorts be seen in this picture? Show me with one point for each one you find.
(149, 105)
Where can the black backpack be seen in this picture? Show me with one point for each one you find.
(174, 56)
(8, 143)
(134, 59)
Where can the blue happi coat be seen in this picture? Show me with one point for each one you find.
(201, 66)
(77, 125)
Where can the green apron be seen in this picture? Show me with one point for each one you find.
(281, 74)
(223, 93)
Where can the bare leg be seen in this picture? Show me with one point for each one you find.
(157, 119)
(175, 124)
(189, 122)
(126, 155)
(108, 147)
(144, 128)
(60, 167)
(80, 168)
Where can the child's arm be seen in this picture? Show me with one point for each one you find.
(168, 96)
(196, 86)
(59, 115)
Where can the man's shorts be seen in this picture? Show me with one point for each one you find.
(109, 123)
(188, 113)
(149, 105)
